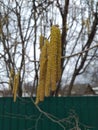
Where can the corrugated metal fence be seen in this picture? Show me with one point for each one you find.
(64, 113)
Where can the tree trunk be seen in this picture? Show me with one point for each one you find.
(20, 89)
(71, 84)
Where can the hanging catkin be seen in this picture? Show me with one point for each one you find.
(48, 73)
(38, 95)
(58, 55)
(55, 43)
(15, 85)
(42, 78)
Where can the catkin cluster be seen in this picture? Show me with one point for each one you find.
(50, 64)
(15, 85)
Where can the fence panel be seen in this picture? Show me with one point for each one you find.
(59, 113)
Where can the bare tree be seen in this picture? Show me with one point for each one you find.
(21, 23)
(19, 26)
(83, 31)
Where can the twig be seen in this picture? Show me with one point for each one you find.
(49, 116)
(63, 57)
(39, 117)
(80, 52)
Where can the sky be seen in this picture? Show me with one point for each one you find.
(53, 14)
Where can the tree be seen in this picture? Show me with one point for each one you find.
(21, 23)
(83, 37)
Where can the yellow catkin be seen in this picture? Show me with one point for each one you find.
(55, 43)
(37, 95)
(58, 55)
(41, 41)
(11, 72)
(48, 73)
(14, 88)
(15, 85)
(43, 69)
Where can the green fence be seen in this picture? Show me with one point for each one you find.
(64, 113)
